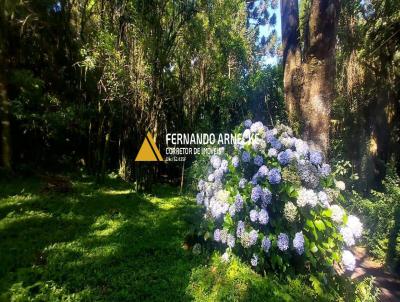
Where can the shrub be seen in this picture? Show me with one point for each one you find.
(235, 281)
(270, 200)
(380, 212)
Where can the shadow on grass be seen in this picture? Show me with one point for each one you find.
(101, 242)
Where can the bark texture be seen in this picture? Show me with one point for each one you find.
(292, 78)
(319, 72)
(309, 76)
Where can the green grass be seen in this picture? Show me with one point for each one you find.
(108, 243)
(97, 243)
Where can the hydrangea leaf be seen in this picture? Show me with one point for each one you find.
(320, 225)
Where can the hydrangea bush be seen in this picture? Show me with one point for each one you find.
(273, 201)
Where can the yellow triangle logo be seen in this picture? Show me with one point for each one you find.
(149, 151)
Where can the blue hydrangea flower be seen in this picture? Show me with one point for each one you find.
(200, 198)
(263, 217)
(57, 7)
(240, 228)
(232, 210)
(231, 241)
(325, 170)
(270, 136)
(266, 197)
(201, 185)
(256, 193)
(218, 174)
(254, 179)
(316, 157)
(323, 199)
(266, 244)
(246, 156)
(274, 176)
(235, 161)
(263, 171)
(242, 183)
(253, 215)
(247, 123)
(275, 143)
(285, 157)
(253, 237)
(254, 260)
(217, 235)
(224, 165)
(238, 202)
(283, 241)
(258, 160)
(298, 243)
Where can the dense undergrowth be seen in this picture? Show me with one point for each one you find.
(380, 212)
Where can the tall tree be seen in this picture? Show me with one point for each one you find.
(318, 65)
(292, 79)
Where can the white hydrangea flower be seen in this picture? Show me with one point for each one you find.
(246, 134)
(258, 144)
(348, 260)
(215, 161)
(348, 237)
(355, 225)
(340, 185)
(222, 195)
(301, 147)
(256, 127)
(225, 257)
(307, 197)
(337, 213)
(290, 211)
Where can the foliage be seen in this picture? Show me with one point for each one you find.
(235, 281)
(88, 79)
(271, 201)
(380, 212)
(365, 112)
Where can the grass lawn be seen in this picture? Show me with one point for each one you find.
(107, 243)
(96, 243)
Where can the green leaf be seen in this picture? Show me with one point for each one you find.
(327, 213)
(313, 247)
(320, 225)
(316, 284)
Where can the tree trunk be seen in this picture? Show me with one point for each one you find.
(4, 102)
(292, 77)
(105, 150)
(319, 72)
(5, 127)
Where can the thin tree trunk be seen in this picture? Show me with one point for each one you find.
(292, 77)
(5, 128)
(106, 148)
(4, 102)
